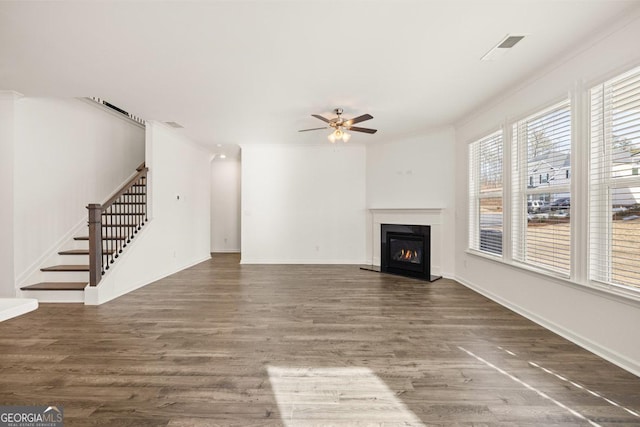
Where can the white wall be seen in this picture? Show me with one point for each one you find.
(225, 205)
(178, 234)
(7, 109)
(303, 204)
(412, 173)
(604, 323)
(415, 173)
(68, 153)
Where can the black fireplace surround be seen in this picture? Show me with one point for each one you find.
(406, 250)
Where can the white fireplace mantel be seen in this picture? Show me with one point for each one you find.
(413, 216)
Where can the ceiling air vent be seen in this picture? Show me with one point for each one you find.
(174, 125)
(503, 47)
(510, 42)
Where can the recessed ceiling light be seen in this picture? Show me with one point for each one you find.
(218, 145)
(223, 156)
(503, 47)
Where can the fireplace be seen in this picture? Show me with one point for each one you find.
(406, 250)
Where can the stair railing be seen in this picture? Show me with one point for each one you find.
(114, 223)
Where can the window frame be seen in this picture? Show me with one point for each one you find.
(520, 191)
(579, 179)
(602, 185)
(476, 195)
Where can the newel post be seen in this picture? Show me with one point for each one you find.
(95, 243)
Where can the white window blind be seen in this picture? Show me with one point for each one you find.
(485, 194)
(614, 215)
(541, 174)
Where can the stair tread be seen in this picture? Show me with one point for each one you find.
(80, 252)
(103, 238)
(66, 268)
(56, 286)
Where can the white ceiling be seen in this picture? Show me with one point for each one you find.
(234, 72)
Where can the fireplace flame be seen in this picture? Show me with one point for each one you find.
(407, 255)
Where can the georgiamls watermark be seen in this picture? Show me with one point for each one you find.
(31, 416)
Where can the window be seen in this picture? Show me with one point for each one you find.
(614, 215)
(485, 194)
(542, 225)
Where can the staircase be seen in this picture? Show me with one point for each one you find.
(112, 226)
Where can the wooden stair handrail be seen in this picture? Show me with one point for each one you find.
(125, 188)
(99, 256)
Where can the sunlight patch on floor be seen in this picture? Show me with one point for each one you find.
(578, 386)
(337, 397)
(530, 387)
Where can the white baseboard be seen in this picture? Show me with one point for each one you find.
(607, 354)
(225, 251)
(303, 261)
(95, 295)
(56, 296)
(448, 275)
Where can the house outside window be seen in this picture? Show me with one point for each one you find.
(541, 147)
(485, 194)
(614, 218)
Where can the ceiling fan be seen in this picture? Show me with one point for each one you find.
(341, 125)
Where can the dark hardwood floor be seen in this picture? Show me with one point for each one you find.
(221, 344)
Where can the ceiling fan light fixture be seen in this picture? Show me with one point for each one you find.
(340, 126)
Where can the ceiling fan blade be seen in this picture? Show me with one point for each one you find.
(318, 116)
(365, 130)
(307, 130)
(358, 119)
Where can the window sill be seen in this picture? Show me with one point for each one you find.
(615, 292)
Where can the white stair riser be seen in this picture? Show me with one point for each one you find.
(79, 244)
(56, 296)
(73, 260)
(65, 276)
